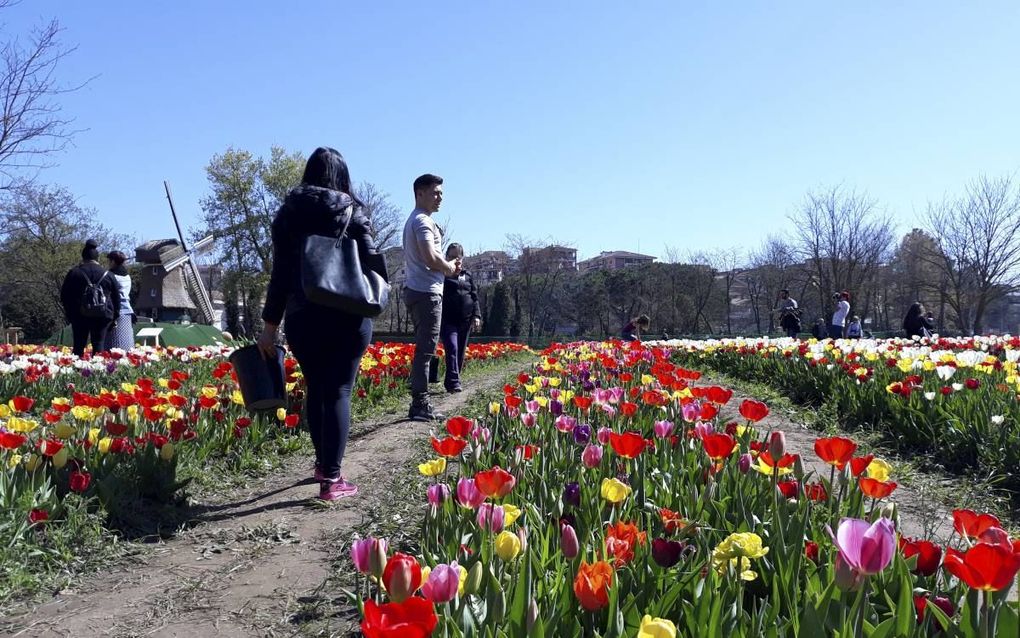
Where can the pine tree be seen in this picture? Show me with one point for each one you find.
(498, 322)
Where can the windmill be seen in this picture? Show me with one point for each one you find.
(171, 285)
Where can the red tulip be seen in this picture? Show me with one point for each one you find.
(835, 450)
(11, 440)
(970, 524)
(413, 618)
(811, 551)
(718, 395)
(943, 603)
(876, 489)
(753, 411)
(929, 555)
(495, 483)
(718, 446)
(22, 404)
(80, 481)
(789, 489)
(448, 447)
(402, 576)
(49, 447)
(459, 426)
(815, 491)
(582, 403)
(983, 566)
(708, 411)
(38, 516)
(629, 445)
(777, 444)
(860, 463)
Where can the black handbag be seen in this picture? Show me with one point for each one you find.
(332, 276)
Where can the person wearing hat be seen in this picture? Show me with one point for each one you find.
(122, 333)
(91, 299)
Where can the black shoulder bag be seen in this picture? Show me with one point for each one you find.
(332, 276)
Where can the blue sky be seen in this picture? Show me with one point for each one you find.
(606, 125)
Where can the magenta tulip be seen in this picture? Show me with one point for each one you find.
(744, 463)
(690, 411)
(490, 517)
(663, 429)
(443, 582)
(438, 493)
(702, 429)
(591, 457)
(565, 423)
(603, 435)
(468, 494)
(361, 554)
(867, 548)
(777, 445)
(568, 541)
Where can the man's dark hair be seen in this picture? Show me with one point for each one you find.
(91, 250)
(428, 180)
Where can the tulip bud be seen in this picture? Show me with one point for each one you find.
(744, 463)
(522, 535)
(476, 454)
(473, 584)
(709, 492)
(497, 607)
(532, 617)
(402, 577)
(889, 511)
(377, 556)
(167, 451)
(777, 445)
(798, 468)
(568, 542)
(844, 476)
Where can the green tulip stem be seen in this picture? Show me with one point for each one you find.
(859, 625)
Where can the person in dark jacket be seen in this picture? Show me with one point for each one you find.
(916, 323)
(632, 331)
(89, 322)
(461, 314)
(327, 343)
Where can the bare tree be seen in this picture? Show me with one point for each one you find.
(771, 269)
(385, 215)
(32, 125)
(978, 240)
(843, 237)
(538, 271)
(730, 264)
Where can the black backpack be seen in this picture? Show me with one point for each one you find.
(93, 298)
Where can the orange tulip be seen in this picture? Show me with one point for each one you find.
(876, 489)
(592, 583)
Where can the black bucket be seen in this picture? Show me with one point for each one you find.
(261, 379)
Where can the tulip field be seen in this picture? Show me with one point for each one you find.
(100, 437)
(955, 400)
(605, 495)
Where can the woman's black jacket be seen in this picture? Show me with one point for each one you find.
(312, 210)
(73, 288)
(460, 299)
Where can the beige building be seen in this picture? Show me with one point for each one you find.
(614, 260)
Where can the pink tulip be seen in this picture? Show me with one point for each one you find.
(531, 406)
(490, 517)
(478, 432)
(867, 548)
(609, 411)
(443, 582)
(565, 423)
(468, 494)
(601, 396)
(603, 435)
(703, 429)
(554, 394)
(777, 445)
(361, 554)
(615, 394)
(663, 429)
(568, 541)
(438, 493)
(690, 411)
(529, 419)
(591, 457)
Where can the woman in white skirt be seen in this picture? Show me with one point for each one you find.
(121, 334)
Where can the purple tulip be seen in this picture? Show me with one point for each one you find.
(468, 494)
(490, 517)
(438, 493)
(603, 435)
(443, 582)
(572, 494)
(592, 456)
(616, 394)
(867, 548)
(582, 434)
(667, 553)
(744, 463)
(663, 429)
(555, 407)
(568, 541)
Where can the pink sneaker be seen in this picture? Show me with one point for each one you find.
(319, 476)
(333, 490)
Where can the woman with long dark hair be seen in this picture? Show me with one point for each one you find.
(90, 299)
(915, 323)
(121, 333)
(327, 343)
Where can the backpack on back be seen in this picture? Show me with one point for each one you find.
(93, 298)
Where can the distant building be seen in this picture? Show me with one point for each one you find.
(550, 258)
(614, 260)
(488, 267)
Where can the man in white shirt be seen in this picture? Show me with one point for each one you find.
(838, 324)
(425, 269)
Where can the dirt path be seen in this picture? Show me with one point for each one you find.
(252, 558)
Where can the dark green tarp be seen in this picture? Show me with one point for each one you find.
(173, 334)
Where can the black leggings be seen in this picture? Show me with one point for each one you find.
(328, 345)
(84, 329)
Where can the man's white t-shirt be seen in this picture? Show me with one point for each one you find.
(421, 227)
(842, 310)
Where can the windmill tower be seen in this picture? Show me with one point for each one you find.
(171, 285)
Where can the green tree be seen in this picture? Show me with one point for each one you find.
(498, 322)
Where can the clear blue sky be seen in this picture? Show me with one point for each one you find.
(607, 125)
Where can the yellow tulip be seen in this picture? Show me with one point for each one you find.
(281, 414)
(93, 435)
(64, 430)
(17, 424)
(614, 490)
(13, 460)
(494, 407)
(879, 470)
(104, 444)
(736, 552)
(656, 628)
(647, 379)
(128, 387)
(163, 383)
(532, 389)
(542, 401)
(237, 398)
(209, 392)
(554, 382)
(167, 451)
(60, 458)
(510, 514)
(132, 411)
(508, 545)
(433, 467)
(4, 411)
